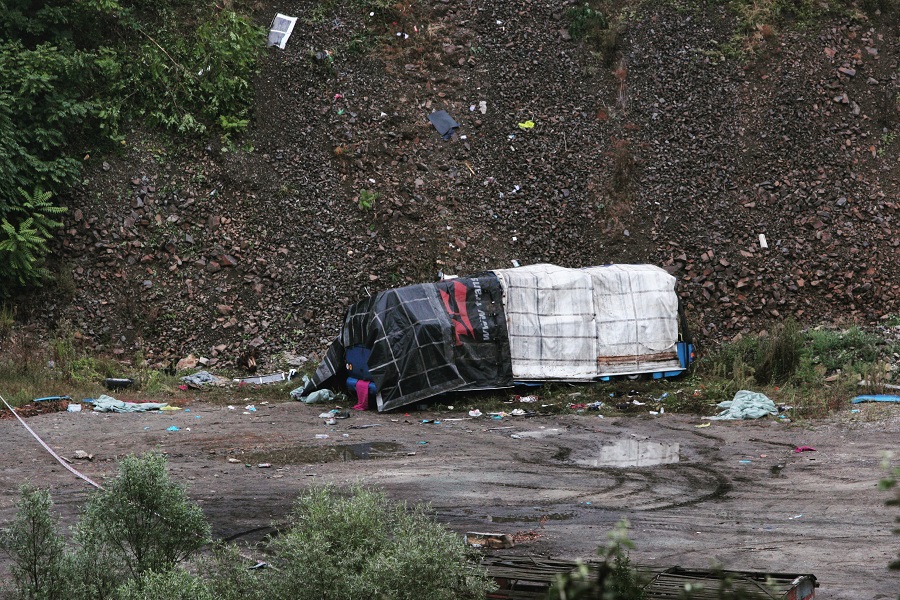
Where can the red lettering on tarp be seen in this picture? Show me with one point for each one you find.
(460, 317)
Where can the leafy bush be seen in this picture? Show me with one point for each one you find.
(143, 520)
(25, 230)
(36, 547)
(72, 72)
(612, 579)
(837, 349)
(198, 80)
(228, 577)
(586, 22)
(364, 546)
(175, 584)
(367, 199)
(44, 101)
(891, 483)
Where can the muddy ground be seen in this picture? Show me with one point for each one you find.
(739, 494)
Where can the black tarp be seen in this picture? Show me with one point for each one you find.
(427, 339)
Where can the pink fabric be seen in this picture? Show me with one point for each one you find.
(362, 395)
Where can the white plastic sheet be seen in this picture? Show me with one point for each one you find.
(586, 323)
(280, 30)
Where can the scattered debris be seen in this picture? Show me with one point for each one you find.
(51, 399)
(876, 398)
(746, 405)
(521, 537)
(319, 396)
(109, 404)
(265, 379)
(201, 378)
(82, 455)
(799, 449)
(444, 123)
(117, 383)
(489, 540)
(280, 30)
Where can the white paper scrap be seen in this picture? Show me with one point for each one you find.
(280, 30)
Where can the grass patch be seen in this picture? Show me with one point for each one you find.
(816, 371)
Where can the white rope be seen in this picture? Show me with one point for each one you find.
(258, 564)
(49, 449)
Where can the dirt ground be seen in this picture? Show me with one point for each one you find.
(739, 494)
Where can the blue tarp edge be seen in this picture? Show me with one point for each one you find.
(876, 398)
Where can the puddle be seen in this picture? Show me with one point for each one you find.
(320, 454)
(538, 434)
(632, 453)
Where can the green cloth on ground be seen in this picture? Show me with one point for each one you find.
(109, 404)
(303, 394)
(746, 405)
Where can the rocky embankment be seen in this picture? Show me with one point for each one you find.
(670, 151)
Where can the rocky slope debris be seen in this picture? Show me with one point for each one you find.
(667, 151)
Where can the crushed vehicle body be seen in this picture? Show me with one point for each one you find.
(538, 323)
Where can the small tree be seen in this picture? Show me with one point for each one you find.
(143, 521)
(363, 546)
(35, 546)
(611, 579)
(891, 483)
(174, 584)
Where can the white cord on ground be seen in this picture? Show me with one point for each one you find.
(49, 449)
(258, 564)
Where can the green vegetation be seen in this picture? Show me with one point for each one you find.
(37, 549)
(142, 538)
(143, 521)
(589, 23)
(367, 199)
(586, 22)
(141, 524)
(892, 482)
(25, 228)
(612, 578)
(817, 369)
(75, 75)
(365, 546)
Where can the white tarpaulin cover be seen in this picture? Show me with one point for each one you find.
(586, 323)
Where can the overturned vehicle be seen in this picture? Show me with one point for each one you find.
(538, 323)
